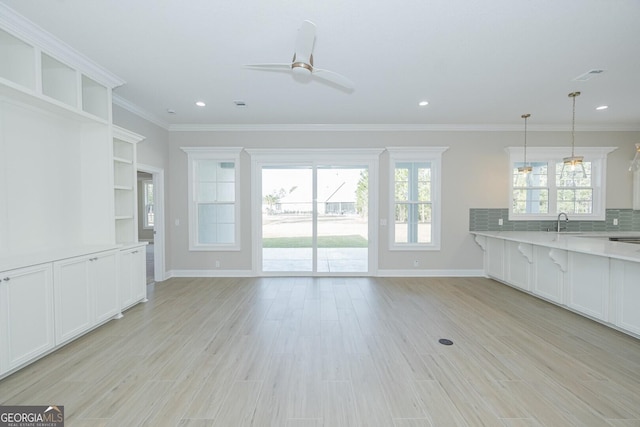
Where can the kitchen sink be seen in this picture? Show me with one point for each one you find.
(635, 240)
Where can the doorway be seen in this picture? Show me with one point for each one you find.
(151, 219)
(315, 217)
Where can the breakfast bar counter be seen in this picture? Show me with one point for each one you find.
(583, 272)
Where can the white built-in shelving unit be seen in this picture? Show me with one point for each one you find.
(55, 150)
(67, 196)
(124, 184)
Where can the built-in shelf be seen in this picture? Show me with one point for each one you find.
(124, 184)
(29, 75)
(56, 133)
(17, 61)
(122, 160)
(59, 81)
(95, 98)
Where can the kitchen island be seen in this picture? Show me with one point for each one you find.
(583, 272)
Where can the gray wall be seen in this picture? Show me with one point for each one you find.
(475, 175)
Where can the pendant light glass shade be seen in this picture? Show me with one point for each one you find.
(635, 163)
(525, 168)
(573, 160)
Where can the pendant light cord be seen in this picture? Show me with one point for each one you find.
(525, 117)
(573, 123)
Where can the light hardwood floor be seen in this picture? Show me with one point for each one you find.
(299, 352)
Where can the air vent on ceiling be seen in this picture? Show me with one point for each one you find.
(240, 103)
(589, 75)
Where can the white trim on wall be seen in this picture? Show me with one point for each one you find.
(390, 127)
(379, 273)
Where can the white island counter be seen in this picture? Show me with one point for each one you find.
(584, 272)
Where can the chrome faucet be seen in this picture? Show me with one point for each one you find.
(566, 219)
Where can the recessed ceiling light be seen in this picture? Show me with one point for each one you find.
(200, 104)
(423, 103)
(602, 107)
(171, 111)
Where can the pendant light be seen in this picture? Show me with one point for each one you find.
(635, 163)
(525, 168)
(573, 160)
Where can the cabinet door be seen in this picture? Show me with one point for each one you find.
(139, 278)
(624, 279)
(104, 282)
(73, 299)
(495, 258)
(548, 275)
(518, 268)
(133, 276)
(26, 315)
(125, 277)
(588, 284)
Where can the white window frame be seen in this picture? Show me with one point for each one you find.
(553, 155)
(432, 155)
(222, 154)
(145, 195)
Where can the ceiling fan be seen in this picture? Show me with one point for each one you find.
(302, 63)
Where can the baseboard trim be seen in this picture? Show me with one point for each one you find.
(431, 273)
(209, 273)
(381, 273)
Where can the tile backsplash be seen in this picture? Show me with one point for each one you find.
(488, 220)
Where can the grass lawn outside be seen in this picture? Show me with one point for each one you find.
(351, 241)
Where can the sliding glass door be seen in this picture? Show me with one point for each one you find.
(342, 221)
(287, 218)
(314, 218)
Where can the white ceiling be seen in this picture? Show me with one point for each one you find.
(478, 63)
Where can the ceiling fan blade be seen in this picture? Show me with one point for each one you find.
(333, 77)
(304, 42)
(269, 66)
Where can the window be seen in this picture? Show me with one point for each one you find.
(147, 187)
(213, 204)
(415, 195)
(551, 187)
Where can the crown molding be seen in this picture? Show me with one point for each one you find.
(24, 29)
(127, 135)
(392, 128)
(138, 111)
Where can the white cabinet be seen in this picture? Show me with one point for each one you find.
(495, 258)
(588, 285)
(86, 293)
(626, 294)
(548, 273)
(125, 184)
(67, 190)
(132, 276)
(26, 315)
(603, 287)
(518, 264)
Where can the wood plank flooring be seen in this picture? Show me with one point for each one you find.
(302, 352)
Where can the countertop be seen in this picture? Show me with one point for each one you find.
(14, 261)
(593, 243)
